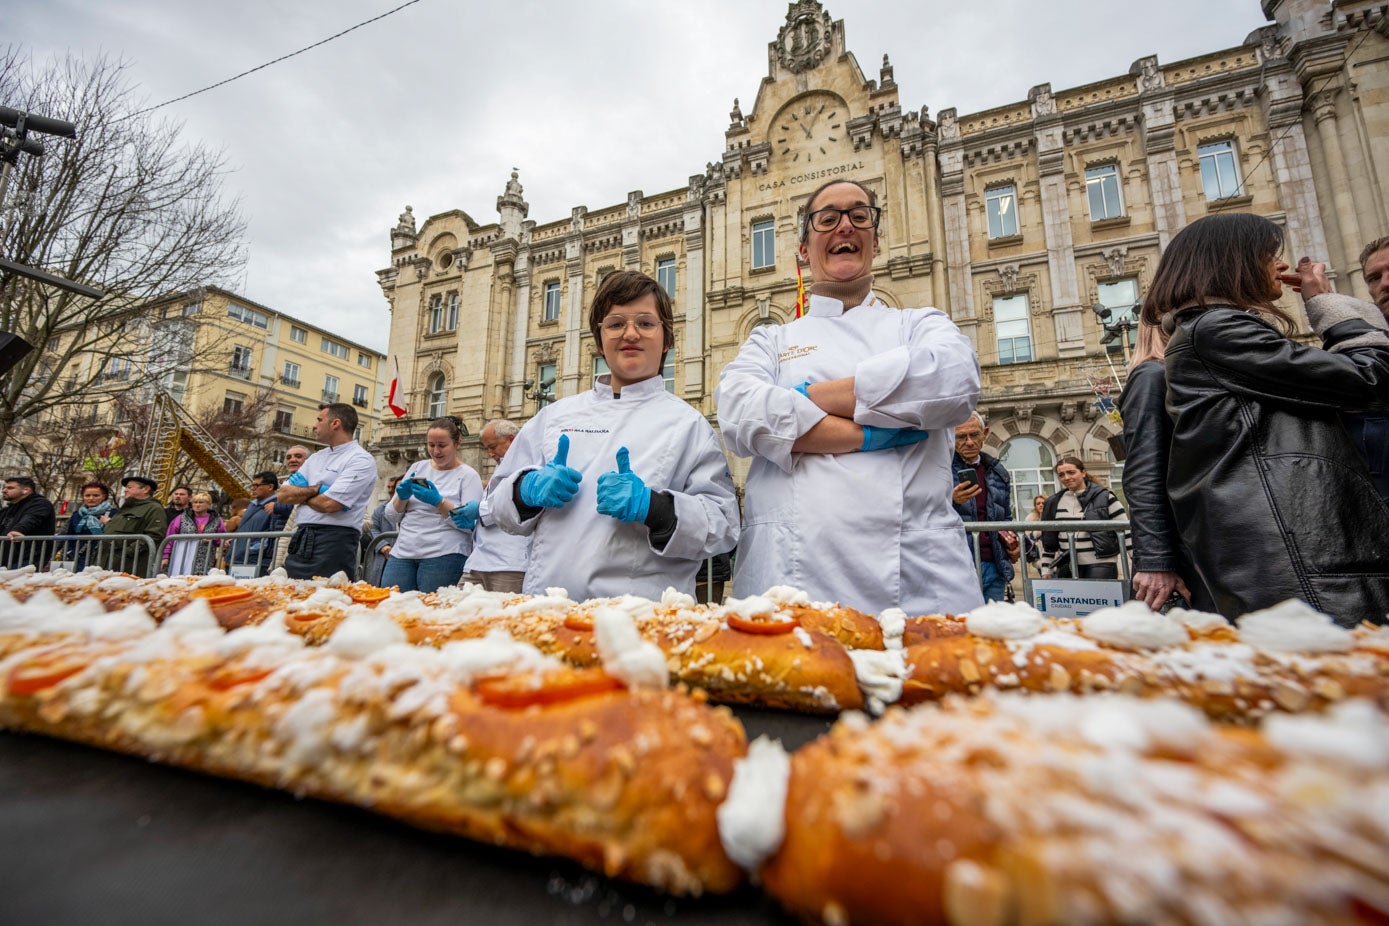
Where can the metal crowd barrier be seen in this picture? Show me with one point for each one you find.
(1068, 528)
(132, 553)
(245, 555)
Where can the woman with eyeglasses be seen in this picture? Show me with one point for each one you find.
(1267, 491)
(623, 488)
(433, 507)
(847, 413)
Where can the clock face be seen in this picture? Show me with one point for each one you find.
(809, 130)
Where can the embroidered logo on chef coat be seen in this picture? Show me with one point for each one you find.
(797, 351)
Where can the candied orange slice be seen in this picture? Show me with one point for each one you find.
(578, 621)
(221, 594)
(763, 627)
(46, 670)
(369, 594)
(558, 686)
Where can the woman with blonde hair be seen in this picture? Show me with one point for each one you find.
(1269, 496)
(193, 557)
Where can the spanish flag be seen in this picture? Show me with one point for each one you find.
(800, 291)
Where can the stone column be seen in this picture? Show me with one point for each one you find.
(570, 372)
(1157, 104)
(956, 233)
(1056, 222)
(520, 320)
(1292, 167)
(694, 348)
(1324, 115)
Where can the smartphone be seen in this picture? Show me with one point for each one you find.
(419, 480)
(967, 475)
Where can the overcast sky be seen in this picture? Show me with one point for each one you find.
(435, 104)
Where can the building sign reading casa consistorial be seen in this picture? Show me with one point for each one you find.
(805, 39)
(822, 174)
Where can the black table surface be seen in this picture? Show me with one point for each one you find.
(93, 837)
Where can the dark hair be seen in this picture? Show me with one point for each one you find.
(448, 423)
(1074, 461)
(1219, 259)
(805, 221)
(186, 488)
(344, 413)
(267, 477)
(105, 492)
(623, 287)
(26, 481)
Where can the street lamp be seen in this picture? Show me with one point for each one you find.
(1117, 328)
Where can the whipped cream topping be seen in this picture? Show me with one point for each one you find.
(1133, 626)
(999, 620)
(1294, 627)
(752, 819)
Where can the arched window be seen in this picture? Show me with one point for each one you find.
(437, 400)
(1031, 463)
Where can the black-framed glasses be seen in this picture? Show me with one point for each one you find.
(827, 219)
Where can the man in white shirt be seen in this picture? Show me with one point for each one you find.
(333, 487)
(498, 561)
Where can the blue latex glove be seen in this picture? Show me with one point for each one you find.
(297, 480)
(428, 493)
(622, 494)
(883, 438)
(324, 487)
(804, 389)
(464, 516)
(404, 489)
(554, 484)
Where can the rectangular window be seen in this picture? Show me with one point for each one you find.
(250, 316)
(176, 383)
(668, 371)
(359, 396)
(545, 384)
(334, 348)
(1219, 175)
(1102, 186)
(452, 321)
(290, 377)
(284, 420)
(763, 244)
(298, 334)
(364, 360)
(1001, 207)
(1012, 329)
(191, 308)
(551, 313)
(436, 313)
(117, 368)
(330, 388)
(665, 275)
(600, 367)
(1121, 298)
(241, 362)
(233, 403)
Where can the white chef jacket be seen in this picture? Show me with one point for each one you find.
(871, 530)
(424, 532)
(494, 550)
(352, 472)
(673, 449)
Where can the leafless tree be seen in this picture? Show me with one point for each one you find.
(128, 207)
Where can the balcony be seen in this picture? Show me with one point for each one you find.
(360, 403)
(292, 383)
(329, 396)
(239, 372)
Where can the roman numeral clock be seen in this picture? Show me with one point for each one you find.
(811, 130)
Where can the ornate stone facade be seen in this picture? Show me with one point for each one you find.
(1016, 220)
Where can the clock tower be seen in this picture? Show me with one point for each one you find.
(811, 129)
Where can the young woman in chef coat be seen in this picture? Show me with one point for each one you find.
(624, 488)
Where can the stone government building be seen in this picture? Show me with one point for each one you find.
(1016, 221)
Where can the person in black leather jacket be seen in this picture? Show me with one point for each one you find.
(1160, 562)
(1269, 496)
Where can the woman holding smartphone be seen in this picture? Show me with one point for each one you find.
(434, 508)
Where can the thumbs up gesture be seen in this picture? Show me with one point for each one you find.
(622, 494)
(555, 483)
